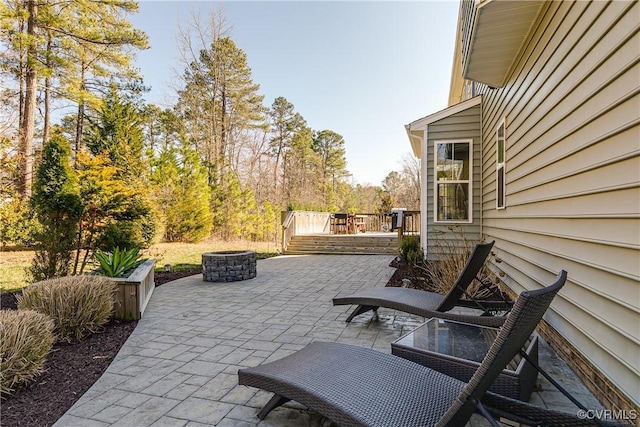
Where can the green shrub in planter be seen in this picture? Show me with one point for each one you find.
(25, 340)
(113, 264)
(78, 305)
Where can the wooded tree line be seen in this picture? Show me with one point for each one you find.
(220, 161)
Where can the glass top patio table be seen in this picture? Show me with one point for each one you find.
(460, 340)
(457, 349)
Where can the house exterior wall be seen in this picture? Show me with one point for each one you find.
(460, 126)
(571, 105)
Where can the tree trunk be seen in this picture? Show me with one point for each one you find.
(286, 185)
(80, 118)
(46, 127)
(223, 136)
(27, 127)
(21, 76)
(79, 127)
(47, 96)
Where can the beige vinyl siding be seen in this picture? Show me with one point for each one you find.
(459, 126)
(468, 9)
(572, 106)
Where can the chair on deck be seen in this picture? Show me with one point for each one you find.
(430, 304)
(356, 386)
(339, 223)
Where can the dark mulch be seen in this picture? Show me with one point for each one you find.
(71, 369)
(403, 271)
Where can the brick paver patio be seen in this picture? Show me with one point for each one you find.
(179, 367)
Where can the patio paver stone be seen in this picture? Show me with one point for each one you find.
(179, 366)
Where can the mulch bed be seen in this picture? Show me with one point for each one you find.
(403, 271)
(71, 369)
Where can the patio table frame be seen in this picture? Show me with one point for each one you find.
(516, 381)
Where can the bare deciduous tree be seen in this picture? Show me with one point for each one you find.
(403, 188)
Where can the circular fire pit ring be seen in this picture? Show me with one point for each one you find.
(229, 266)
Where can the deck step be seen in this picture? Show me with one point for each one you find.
(343, 244)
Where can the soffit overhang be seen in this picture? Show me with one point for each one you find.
(456, 85)
(500, 29)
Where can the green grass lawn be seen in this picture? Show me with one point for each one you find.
(180, 256)
(12, 269)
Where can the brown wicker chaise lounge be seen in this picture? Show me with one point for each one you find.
(355, 386)
(431, 304)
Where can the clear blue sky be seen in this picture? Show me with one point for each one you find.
(363, 69)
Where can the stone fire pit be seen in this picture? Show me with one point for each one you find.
(229, 266)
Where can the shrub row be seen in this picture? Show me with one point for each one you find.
(62, 309)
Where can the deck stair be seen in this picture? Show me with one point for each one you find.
(366, 243)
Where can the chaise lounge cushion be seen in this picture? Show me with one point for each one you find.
(412, 301)
(429, 304)
(355, 386)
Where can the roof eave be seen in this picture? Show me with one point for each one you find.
(500, 31)
(415, 140)
(415, 130)
(456, 86)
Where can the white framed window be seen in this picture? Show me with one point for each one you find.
(501, 161)
(453, 184)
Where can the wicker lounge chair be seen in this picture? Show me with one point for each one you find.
(355, 386)
(431, 304)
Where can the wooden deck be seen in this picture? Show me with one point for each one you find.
(362, 243)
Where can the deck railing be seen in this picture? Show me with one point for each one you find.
(384, 222)
(411, 223)
(303, 222)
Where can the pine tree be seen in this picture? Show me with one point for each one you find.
(236, 214)
(303, 173)
(196, 219)
(218, 102)
(330, 147)
(117, 133)
(20, 27)
(182, 189)
(286, 126)
(70, 49)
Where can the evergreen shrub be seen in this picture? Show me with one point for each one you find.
(78, 305)
(17, 222)
(57, 205)
(115, 139)
(410, 250)
(133, 226)
(26, 337)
